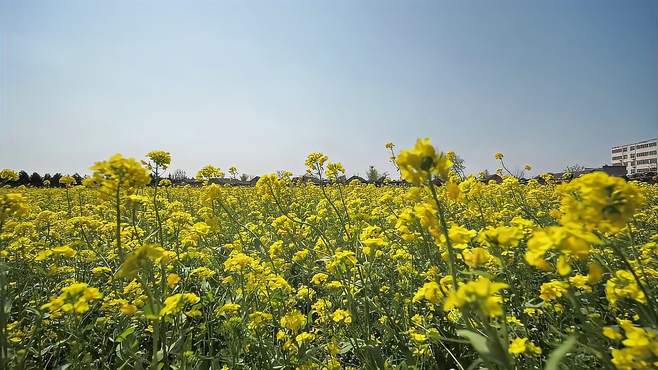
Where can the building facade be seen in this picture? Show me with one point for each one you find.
(638, 157)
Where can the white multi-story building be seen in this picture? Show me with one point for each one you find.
(638, 157)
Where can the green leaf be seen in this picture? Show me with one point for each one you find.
(345, 347)
(373, 357)
(487, 350)
(554, 359)
(50, 347)
(129, 330)
(478, 341)
(152, 311)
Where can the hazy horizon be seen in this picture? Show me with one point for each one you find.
(261, 84)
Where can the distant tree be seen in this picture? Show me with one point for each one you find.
(244, 177)
(372, 174)
(518, 172)
(47, 177)
(574, 168)
(23, 179)
(233, 171)
(54, 182)
(36, 180)
(458, 166)
(287, 174)
(78, 178)
(178, 175)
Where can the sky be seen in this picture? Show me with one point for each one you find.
(260, 84)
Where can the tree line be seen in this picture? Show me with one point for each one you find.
(47, 180)
(37, 181)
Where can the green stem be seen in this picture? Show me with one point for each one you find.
(118, 226)
(155, 205)
(444, 228)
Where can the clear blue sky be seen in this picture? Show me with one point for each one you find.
(259, 84)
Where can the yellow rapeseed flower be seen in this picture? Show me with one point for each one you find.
(482, 293)
(420, 162)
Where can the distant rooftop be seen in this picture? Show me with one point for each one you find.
(637, 142)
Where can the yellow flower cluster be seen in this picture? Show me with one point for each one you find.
(174, 304)
(119, 173)
(74, 298)
(12, 205)
(418, 164)
(481, 292)
(598, 201)
(640, 346)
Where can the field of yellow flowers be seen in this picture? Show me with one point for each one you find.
(120, 274)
